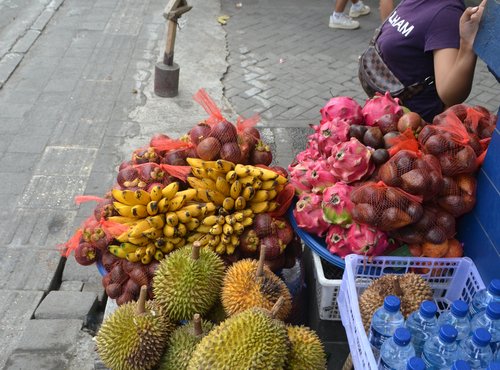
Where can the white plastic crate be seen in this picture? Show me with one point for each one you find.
(327, 291)
(450, 279)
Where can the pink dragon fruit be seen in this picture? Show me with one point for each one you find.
(337, 205)
(351, 161)
(367, 240)
(336, 241)
(342, 107)
(331, 133)
(380, 105)
(309, 215)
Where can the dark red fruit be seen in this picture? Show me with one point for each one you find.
(231, 152)
(261, 154)
(249, 242)
(208, 149)
(357, 131)
(225, 132)
(380, 156)
(374, 138)
(263, 225)
(273, 246)
(284, 231)
(410, 120)
(114, 290)
(199, 132)
(85, 254)
(387, 123)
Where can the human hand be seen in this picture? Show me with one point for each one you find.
(469, 23)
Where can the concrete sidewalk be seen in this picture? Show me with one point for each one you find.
(76, 106)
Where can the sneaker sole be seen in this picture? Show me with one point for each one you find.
(343, 27)
(356, 14)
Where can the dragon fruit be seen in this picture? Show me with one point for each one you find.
(336, 241)
(342, 107)
(351, 161)
(331, 133)
(380, 105)
(366, 240)
(337, 205)
(309, 215)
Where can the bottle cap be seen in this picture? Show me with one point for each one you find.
(481, 337)
(493, 310)
(448, 333)
(428, 309)
(460, 365)
(392, 303)
(493, 366)
(494, 287)
(415, 363)
(402, 336)
(459, 308)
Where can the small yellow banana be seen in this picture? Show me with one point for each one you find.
(235, 240)
(140, 252)
(152, 208)
(189, 194)
(227, 229)
(261, 196)
(151, 249)
(248, 192)
(142, 197)
(221, 219)
(183, 215)
(200, 163)
(146, 259)
(247, 221)
(209, 221)
(177, 203)
(214, 174)
(163, 205)
(247, 180)
(209, 183)
(222, 186)
(139, 240)
(122, 220)
(230, 248)
(282, 180)
(247, 212)
(155, 193)
(200, 173)
(117, 251)
(231, 176)
(159, 255)
(138, 229)
(211, 207)
(123, 209)
(242, 170)
(214, 240)
(257, 185)
(170, 190)
(139, 210)
(124, 196)
(240, 203)
(171, 219)
(193, 224)
(223, 165)
(238, 228)
(215, 197)
(228, 204)
(191, 238)
(194, 209)
(168, 247)
(201, 195)
(260, 207)
(196, 183)
(205, 239)
(157, 221)
(221, 248)
(272, 206)
(226, 239)
(269, 184)
(153, 233)
(230, 219)
(123, 237)
(128, 247)
(216, 230)
(182, 230)
(132, 257)
(235, 189)
(203, 229)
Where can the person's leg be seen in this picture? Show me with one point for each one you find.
(358, 8)
(339, 20)
(386, 7)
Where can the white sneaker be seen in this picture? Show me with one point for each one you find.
(358, 10)
(344, 22)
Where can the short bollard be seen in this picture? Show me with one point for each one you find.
(166, 71)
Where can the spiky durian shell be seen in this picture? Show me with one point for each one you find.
(216, 313)
(181, 345)
(413, 290)
(249, 340)
(131, 341)
(183, 286)
(241, 289)
(306, 350)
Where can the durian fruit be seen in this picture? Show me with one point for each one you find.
(188, 281)
(216, 314)
(252, 339)
(134, 336)
(249, 283)
(411, 289)
(306, 350)
(182, 343)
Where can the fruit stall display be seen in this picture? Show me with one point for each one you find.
(378, 179)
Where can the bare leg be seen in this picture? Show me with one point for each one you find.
(340, 6)
(386, 7)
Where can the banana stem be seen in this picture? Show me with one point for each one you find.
(262, 257)
(198, 330)
(141, 302)
(277, 306)
(196, 250)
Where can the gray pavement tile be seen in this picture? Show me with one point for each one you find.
(14, 110)
(72, 286)
(18, 162)
(8, 127)
(32, 360)
(42, 20)
(87, 274)
(58, 84)
(101, 182)
(62, 161)
(8, 64)
(29, 268)
(125, 128)
(77, 305)
(28, 144)
(49, 335)
(13, 182)
(22, 45)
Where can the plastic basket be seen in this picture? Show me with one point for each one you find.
(450, 279)
(327, 283)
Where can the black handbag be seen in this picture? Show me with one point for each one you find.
(375, 76)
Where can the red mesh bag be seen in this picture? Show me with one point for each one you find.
(435, 226)
(413, 172)
(141, 176)
(450, 142)
(458, 195)
(385, 207)
(404, 141)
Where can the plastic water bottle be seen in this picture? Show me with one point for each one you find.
(385, 321)
(483, 297)
(457, 317)
(475, 349)
(422, 324)
(495, 365)
(415, 363)
(490, 320)
(396, 351)
(440, 352)
(460, 365)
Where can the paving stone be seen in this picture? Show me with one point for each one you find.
(76, 272)
(96, 288)
(8, 64)
(49, 335)
(36, 360)
(42, 20)
(24, 44)
(67, 305)
(63, 161)
(72, 286)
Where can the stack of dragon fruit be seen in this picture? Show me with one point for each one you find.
(374, 177)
